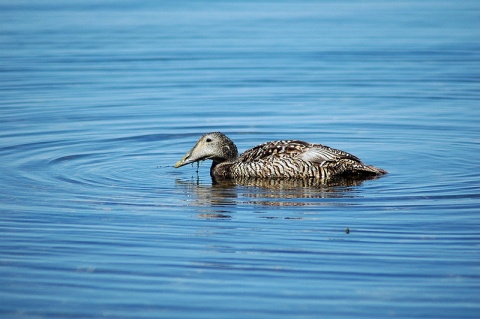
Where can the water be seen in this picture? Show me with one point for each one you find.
(100, 99)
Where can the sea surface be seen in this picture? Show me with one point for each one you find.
(98, 100)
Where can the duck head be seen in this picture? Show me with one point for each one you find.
(215, 146)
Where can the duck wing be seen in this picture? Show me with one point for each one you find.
(308, 152)
(318, 153)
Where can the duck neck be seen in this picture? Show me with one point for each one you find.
(212, 168)
(220, 169)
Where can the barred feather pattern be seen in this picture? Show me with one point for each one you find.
(297, 159)
(289, 167)
(293, 148)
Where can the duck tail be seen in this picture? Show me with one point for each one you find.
(371, 170)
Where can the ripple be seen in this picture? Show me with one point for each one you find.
(124, 172)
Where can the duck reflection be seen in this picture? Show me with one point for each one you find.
(213, 201)
(216, 198)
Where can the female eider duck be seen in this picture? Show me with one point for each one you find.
(279, 159)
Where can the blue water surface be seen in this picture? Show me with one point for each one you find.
(98, 100)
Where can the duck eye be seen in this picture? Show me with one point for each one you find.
(209, 140)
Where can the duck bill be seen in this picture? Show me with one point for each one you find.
(185, 160)
(196, 154)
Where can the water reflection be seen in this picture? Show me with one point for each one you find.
(215, 199)
(330, 186)
(211, 199)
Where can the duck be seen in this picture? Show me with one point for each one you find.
(283, 159)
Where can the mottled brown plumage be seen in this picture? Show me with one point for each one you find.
(279, 159)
